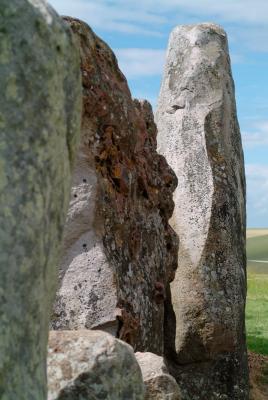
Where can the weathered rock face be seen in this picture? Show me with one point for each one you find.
(120, 253)
(199, 135)
(40, 109)
(159, 384)
(87, 364)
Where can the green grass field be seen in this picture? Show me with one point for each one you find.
(257, 300)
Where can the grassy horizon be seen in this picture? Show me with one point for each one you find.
(257, 298)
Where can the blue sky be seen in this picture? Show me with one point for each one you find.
(138, 32)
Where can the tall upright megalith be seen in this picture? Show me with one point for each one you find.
(200, 137)
(120, 254)
(40, 109)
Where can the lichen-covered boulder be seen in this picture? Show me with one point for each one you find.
(40, 109)
(120, 254)
(159, 385)
(200, 137)
(87, 365)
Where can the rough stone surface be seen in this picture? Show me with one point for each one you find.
(40, 109)
(92, 365)
(159, 384)
(120, 253)
(200, 137)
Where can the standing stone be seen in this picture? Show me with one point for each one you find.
(159, 385)
(200, 137)
(92, 365)
(120, 254)
(40, 109)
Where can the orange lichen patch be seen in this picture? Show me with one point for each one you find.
(128, 326)
(141, 140)
(118, 239)
(103, 155)
(117, 170)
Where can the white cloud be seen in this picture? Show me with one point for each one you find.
(253, 37)
(245, 11)
(153, 11)
(257, 171)
(247, 19)
(135, 62)
(257, 191)
(108, 16)
(237, 58)
(258, 136)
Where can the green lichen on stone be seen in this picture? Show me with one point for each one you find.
(40, 111)
(5, 49)
(11, 88)
(2, 175)
(2, 122)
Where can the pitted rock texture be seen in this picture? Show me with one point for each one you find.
(159, 385)
(200, 137)
(92, 365)
(40, 113)
(120, 252)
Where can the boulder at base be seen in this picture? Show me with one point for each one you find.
(87, 365)
(159, 384)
